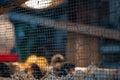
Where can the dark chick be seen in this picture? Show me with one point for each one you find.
(5, 70)
(66, 68)
(36, 71)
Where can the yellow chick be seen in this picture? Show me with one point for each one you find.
(42, 62)
(31, 59)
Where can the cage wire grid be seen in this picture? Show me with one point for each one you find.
(76, 40)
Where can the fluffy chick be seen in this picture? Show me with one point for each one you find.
(33, 59)
(36, 71)
(60, 66)
(57, 58)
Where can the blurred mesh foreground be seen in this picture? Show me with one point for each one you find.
(85, 32)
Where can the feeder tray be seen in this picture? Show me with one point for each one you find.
(9, 57)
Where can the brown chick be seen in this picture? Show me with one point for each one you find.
(57, 58)
(60, 66)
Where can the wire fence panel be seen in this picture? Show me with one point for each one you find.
(60, 40)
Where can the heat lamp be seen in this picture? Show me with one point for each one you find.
(42, 4)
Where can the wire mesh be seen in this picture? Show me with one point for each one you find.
(75, 40)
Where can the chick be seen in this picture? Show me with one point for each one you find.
(43, 64)
(5, 70)
(31, 59)
(36, 71)
(60, 66)
(39, 67)
(58, 58)
(66, 68)
(23, 65)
